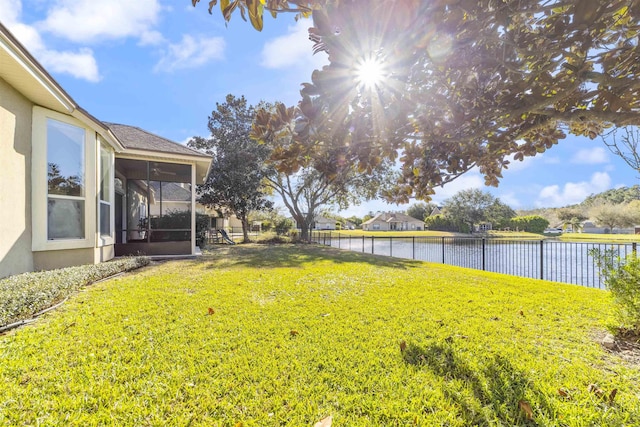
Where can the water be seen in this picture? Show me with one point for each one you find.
(566, 262)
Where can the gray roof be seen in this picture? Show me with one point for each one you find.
(135, 138)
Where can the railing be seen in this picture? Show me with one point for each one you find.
(558, 261)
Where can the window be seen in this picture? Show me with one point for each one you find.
(376, 226)
(65, 181)
(104, 204)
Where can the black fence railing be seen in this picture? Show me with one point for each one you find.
(567, 262)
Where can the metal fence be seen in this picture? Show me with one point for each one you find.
(559, 261)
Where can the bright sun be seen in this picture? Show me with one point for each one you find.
(370, 72)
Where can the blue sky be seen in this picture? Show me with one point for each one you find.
(162, 66)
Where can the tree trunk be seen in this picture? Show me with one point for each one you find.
(245, 229)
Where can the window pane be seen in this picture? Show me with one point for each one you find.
(105, 219)
(65, 219)
(65, 158)
(105, 174)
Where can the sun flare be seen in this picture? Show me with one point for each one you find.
(370, 72)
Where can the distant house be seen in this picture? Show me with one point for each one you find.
(436, 211)
(322, 223)
(393, 221)
(482, 227)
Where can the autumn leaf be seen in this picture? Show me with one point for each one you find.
(211, 311)
(521, 313)
(612, 395)
(403, 346)
(592, 388)
(325, 422)
(562, 392)
(526, 408)
(293, 333)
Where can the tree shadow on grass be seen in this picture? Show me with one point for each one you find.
(292, 255)
(488, 394)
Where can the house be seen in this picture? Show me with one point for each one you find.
(393, 221)
(75, 190)
(436, 211)
(322, 223)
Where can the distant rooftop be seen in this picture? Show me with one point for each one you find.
(135, 138)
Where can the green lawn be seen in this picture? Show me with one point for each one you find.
(614, 238)
(286, 335)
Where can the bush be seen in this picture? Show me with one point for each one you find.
(529, 223)
(23, 295)
(442, 223)
(283, 226)
(622, 277)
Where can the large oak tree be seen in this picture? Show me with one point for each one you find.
(449, 85)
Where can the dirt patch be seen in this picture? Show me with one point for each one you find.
(625, 344)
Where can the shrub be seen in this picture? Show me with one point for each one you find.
(23, 295)
(529, 223)
(442, 223)
(283, 226)
(622, 277)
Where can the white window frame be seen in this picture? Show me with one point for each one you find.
(105, 240)
(39, 183)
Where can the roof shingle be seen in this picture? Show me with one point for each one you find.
(135, 138)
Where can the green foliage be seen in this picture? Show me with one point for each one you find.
(442, 223)
(469, 206)
(420, 210)
(499, 214)
(238, 168)
(529, 223)
(297, 333)
(622, 278)
(23, 295)
(283, 226)
(614, 196)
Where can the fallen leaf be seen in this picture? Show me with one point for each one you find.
(562, 392)
(526, 408)
(403, 346)
(521, 313)
(592, 388)
(612, 395)
(325, 422)
(211, 311)
(293, 333)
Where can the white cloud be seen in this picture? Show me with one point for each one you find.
(469, 180)
(511, 200)
(591, 156)
(88, 21)
(190, 53)
(573, 192)
(80, 64)
(292, 50)
(151, 38)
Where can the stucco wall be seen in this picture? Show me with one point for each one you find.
(15, 182)
(49, 260)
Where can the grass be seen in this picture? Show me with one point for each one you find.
(286, 335)
(579, 237)
(23, 295)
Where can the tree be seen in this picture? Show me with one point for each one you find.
(499, 214)
(420, 210)
(238, 168)
(625, 146)
(464, 84)
(311, 168)
(611, 216)
(469, 206)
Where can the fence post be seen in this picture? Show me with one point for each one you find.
(363, 243)
(541, 259)
(484, 255)
(373, 238)
(634, 246)
(443, 249)
(390, 246)
(413, 247)
(339, 244)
